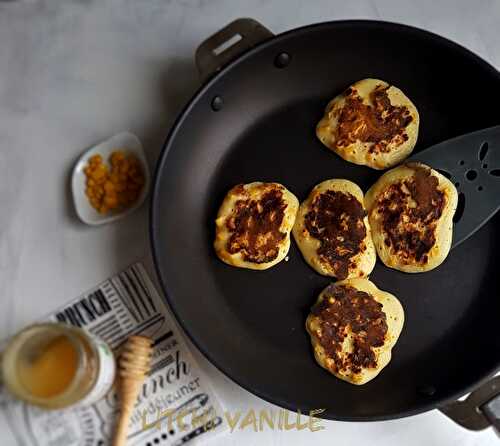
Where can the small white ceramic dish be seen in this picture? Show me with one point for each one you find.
(128, 143)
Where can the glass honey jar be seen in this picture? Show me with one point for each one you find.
(54, 366)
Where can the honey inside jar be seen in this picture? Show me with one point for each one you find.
(55, 365)
(50, 371)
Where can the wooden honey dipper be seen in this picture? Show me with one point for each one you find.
(134, 364)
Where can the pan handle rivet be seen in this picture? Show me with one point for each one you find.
(426, 390)
(282, 60)
(217, 103)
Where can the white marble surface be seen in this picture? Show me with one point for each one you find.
(75, 72)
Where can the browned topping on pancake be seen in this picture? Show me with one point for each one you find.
(380, 123)
(410, 210)
(255, 227)
(336, 220)
(345, 310)
(238, 189)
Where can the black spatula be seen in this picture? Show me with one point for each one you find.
(472, 163)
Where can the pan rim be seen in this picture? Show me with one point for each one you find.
(433, 403)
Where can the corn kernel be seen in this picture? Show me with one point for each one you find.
(119, 186)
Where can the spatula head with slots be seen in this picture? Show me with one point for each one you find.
(472, 163)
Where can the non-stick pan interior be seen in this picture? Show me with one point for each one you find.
(251, 324)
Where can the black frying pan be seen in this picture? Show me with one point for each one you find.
(255, 120)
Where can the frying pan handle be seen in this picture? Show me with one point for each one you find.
(227, 44)
(479, 410)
